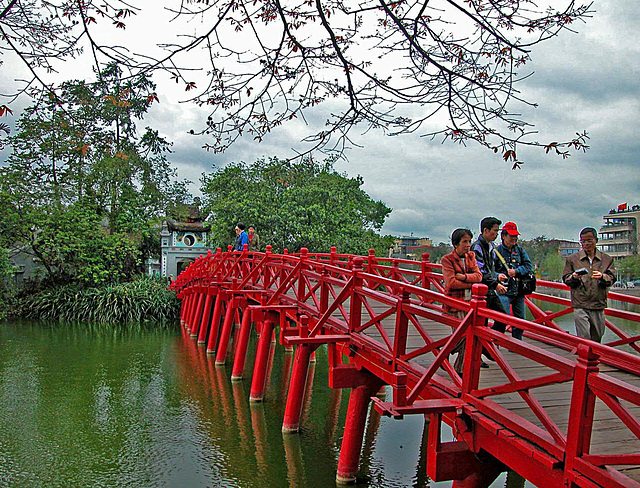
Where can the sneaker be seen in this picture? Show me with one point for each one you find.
(483, 364)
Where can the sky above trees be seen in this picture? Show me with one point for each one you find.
(582, 81)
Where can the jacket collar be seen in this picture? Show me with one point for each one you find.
(583, 255)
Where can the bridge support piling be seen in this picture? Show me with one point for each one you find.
(215, 323)
(187, 317)
(297, 386)
(259, 379)
(196, 312)
(202, 331)
(349, 459)
(241, 349)
(225, 334)
(479, 479)
(184, 307)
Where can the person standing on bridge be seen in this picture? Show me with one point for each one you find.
(460, 271)
(484, 251)
(513, 261)
(589, 273)
(254, 239)
(241, 237)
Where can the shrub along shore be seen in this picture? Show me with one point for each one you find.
(142, 301)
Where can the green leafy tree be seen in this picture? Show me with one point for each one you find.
(629, 267)
(6, 271)
(438, 251)
(294, 205)
(77, 155)
(552, 266)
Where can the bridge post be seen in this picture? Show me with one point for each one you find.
(227, 326)
(371, 266)
(304, 253)
(184, 308)
(215, 322)
(401, 329)
(241, 349)
(188, 300)
(259, 379)
(356, 420)
(355, 308)
(425, 268)
(206, 315)
(583, 404)
(473, 348)
(266, 270)
(197, 312)
(298, 382)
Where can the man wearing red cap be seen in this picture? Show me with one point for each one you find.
(513, 261)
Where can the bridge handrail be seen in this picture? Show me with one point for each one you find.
(295, 278)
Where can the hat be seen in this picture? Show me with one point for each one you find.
(511, 228)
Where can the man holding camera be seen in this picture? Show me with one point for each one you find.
(589, 273)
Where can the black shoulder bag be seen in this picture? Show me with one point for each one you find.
(526, 283)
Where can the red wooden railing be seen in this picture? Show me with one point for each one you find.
(348, 302)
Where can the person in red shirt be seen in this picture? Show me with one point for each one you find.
(460, 271)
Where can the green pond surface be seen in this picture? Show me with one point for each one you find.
(86, 406)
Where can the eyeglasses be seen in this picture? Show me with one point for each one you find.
(587, 241)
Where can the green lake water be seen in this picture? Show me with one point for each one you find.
(103, 407)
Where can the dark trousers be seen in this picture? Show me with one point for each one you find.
(494, 303)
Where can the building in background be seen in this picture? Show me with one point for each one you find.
(182, 242)
(567, 248)
(410, 247)
(620, 233)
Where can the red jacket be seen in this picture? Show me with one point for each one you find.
(451, 264)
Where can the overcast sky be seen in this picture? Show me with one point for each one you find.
(583, 81)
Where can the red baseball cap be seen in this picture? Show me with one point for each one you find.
(511, 228)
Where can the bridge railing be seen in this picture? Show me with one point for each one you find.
(351, 296)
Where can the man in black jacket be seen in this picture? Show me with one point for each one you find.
(482, 247)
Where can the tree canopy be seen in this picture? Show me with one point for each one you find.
(394, 65)
(294, 205)
(82, 191)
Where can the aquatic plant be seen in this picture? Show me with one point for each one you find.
(143, 300)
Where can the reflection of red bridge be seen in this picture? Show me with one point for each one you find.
(559, 410)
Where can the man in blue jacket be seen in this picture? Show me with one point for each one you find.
(483, 249)
(241, 237)
(513, 261)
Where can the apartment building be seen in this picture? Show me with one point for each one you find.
(620, 233)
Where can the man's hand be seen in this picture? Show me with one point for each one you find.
(502, 277)
(596, 275)
(501, 289)
(511, 273)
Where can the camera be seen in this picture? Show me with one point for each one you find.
(581, 271)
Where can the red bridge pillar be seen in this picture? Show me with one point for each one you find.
(297, 385)
(215, 322)
(359, 399)
(259, 379)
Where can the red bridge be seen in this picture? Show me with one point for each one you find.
(559, 410)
